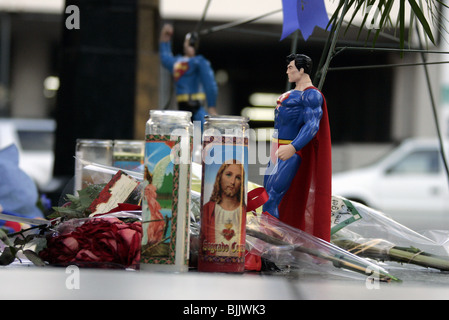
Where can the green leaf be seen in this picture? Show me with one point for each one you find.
(36, 244)
(34, 258)
(386, 7)
(19, 241)
(385, 19)
(4, 238)
(8, 256)
(353, 16)
(422, 19)
(78, 204)
(402, 23)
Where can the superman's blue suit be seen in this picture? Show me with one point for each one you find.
(299, 188)
(194, 81)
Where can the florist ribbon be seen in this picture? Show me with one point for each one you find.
(303, 15)
(256, 198)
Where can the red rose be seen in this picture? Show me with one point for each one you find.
(102, 240)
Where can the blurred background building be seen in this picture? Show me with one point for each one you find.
(99, 81)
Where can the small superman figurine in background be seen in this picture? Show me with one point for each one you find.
(298, 177)
(193, 75)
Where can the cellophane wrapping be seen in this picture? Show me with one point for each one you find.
(292, 249)
(373, 234)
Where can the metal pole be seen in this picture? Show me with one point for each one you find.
(429, 86)
(392, 65)
(236, 23)
(340, 49)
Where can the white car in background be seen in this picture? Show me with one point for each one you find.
(410, 183)
(34, 139)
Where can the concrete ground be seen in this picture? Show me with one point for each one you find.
(28, 282)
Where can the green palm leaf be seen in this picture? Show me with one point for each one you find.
(385, 7)
(417, 14)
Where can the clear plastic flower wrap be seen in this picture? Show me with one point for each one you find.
(284, 245)
(372, 234)
(288, 247)
(195, 228)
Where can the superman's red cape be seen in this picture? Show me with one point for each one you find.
(307, 203)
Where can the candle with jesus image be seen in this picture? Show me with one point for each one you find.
(223, 195)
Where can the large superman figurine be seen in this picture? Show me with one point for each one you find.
(194, 78)
(298, 177)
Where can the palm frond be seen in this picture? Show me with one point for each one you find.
(392, 14)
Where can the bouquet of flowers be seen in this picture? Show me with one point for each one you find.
(106, 241)
(99, 227)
